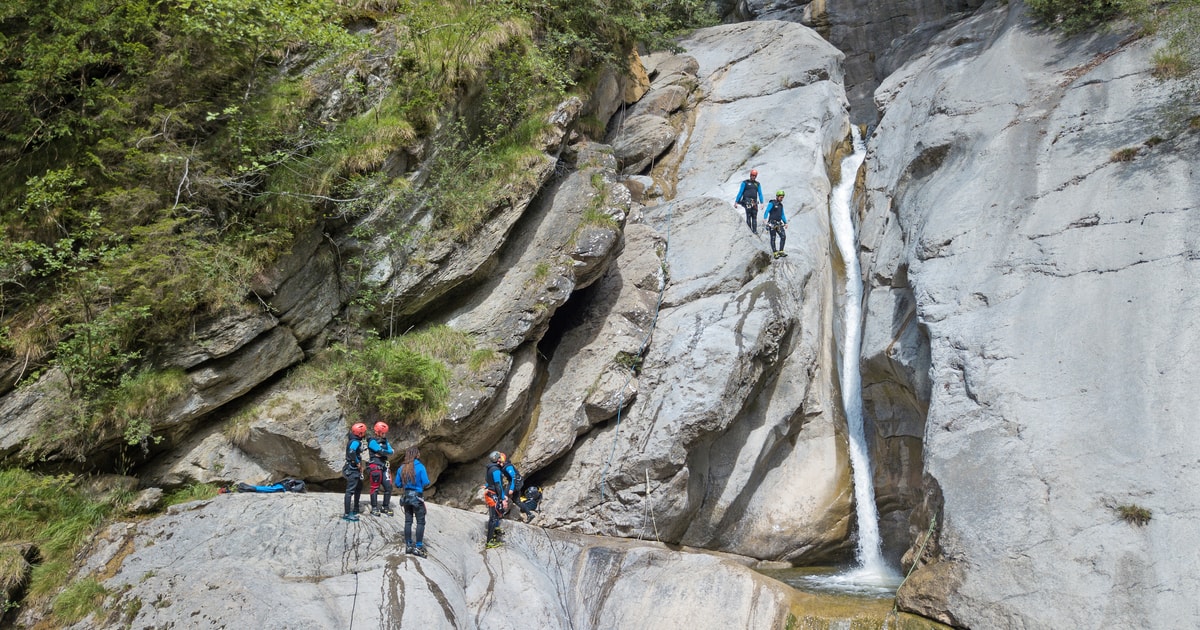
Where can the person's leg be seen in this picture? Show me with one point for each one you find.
(492, 522)
(771, 231)
(420, 514)
(408, 523)
(387, 496)
(782, 238)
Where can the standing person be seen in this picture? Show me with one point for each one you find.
(356, 449)
(514, 482)
(411, 482)
(494, 495)
(494, 502)
(776, 223)
(377, 469)
(750, 197)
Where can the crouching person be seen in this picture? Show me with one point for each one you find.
(530, 498)
(410, 483)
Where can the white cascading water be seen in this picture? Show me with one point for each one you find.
(871, 568)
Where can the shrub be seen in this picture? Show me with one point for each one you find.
(1073, 16)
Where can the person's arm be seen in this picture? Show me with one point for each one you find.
(512, 480)
(783, 216)
(738, 198)
(422, 475)
(760, 197)
(768, 210)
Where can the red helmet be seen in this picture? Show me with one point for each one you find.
(381, 428)
(503, 459)
(359, 429)
(753, 172)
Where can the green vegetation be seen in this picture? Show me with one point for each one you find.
(190, 492)
(133, 202)
(52, 514)
(1074, 16)
(1177, 21)
(1134, 514)
(629, 361)
(1124, 155)
(402, 379)
(79, 600)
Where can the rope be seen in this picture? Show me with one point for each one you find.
(559, 577)
(641, 352)
(916, 561)
(354, 605)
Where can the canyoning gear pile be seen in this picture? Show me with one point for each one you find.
(284, 485)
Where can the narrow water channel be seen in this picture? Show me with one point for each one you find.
(871, 577)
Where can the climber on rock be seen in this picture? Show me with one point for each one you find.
(750, 197)
(776, 223)
(410, 483)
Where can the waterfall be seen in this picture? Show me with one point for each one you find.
(871, 566)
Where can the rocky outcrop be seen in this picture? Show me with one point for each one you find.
(287, 561)
(1031, 243)
(722, 407)
(864, 29)
(672, 325)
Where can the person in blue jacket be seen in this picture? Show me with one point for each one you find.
(495, 495)
(377, 470)
(411, 481)
(776, 223)
(750, 197)
(514, 483)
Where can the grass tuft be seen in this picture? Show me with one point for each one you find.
(1125, 155)
(79, 600)
(1134, 514)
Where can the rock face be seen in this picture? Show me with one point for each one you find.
(721, 406)
(287, 561)
(1031, 242)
